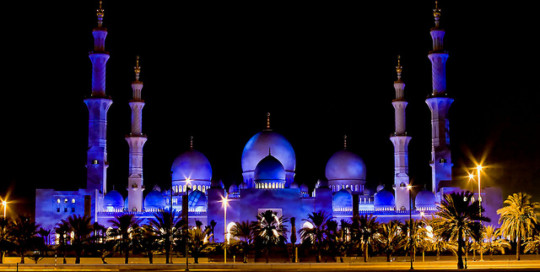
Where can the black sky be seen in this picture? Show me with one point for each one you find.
(322, 70)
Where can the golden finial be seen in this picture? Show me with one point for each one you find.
(137, 69)
(399, 68)
(100, 14)
(191, 142)
(437, 13)
(345, 142)
(268, 121)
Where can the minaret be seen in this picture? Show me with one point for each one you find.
(439, 104)
(136, 140)
(98, 104)
(401, 144)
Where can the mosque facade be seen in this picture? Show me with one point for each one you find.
(268, 168)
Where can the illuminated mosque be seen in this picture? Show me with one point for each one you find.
(268, 167)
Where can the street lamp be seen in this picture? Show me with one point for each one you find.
(188, 181)
(4, 203)
(225, 201)
(479, 170)
(409, 188)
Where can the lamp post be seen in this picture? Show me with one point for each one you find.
(225, 201)
(186, 226)
(479, 171)
(4, 203)
(409, 188)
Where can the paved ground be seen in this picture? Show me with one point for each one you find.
(525, 265)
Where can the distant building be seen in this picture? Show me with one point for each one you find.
(268, 165)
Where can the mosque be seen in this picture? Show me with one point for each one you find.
(268, 167)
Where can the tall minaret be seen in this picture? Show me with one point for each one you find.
(136, 140)
(439, 104)
(98, 104)
(401, 144)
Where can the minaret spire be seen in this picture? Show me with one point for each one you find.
(100, 14)
(437, 14)
(136, 140)
(345, 142)
(191, 142)
(401, 143)
(98, 105)
(439, 103)
(268, 121)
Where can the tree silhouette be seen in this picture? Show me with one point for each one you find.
(518, 218)
(460, 218)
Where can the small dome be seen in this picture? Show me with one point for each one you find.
(257, 148)
(154, 200)
(269, 169)
(345, 165)
(384, 198)
(191, 165)
(113, 199)
(197, 200)
(233, 188)
(342, 199)
(425, 198)
(304, 188)
(380, 187)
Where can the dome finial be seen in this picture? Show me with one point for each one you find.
(268, 121)
(137, 69)
(100, 14)
(437, 14)
(345, 141)
(399, 68)
(191, 142)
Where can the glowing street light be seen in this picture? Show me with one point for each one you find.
(225, 201)
(409, 188)
(4, 203)
(479, 171)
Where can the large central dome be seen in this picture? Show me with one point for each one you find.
(345, 165)
(264, 143)
(191, 165)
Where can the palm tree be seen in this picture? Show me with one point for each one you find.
(533, 244)
(146, 241)
(62, 229)
(436, 242)
(166, 224)
(493, 242)
(316, 231)
(364, 228)
(5, 237)
(518, 218)
(124, 225)
(197, 241)
(23, 230)
(81, 227)
(243, 231)
(390, 236)
(460, 218)
(270, 229)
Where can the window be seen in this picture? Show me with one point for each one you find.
(66, 200)
(65, 209)
(58, 200)
(58, 209)
(73, 209)
(73, 200)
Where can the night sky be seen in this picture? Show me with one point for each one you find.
(214, 70)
